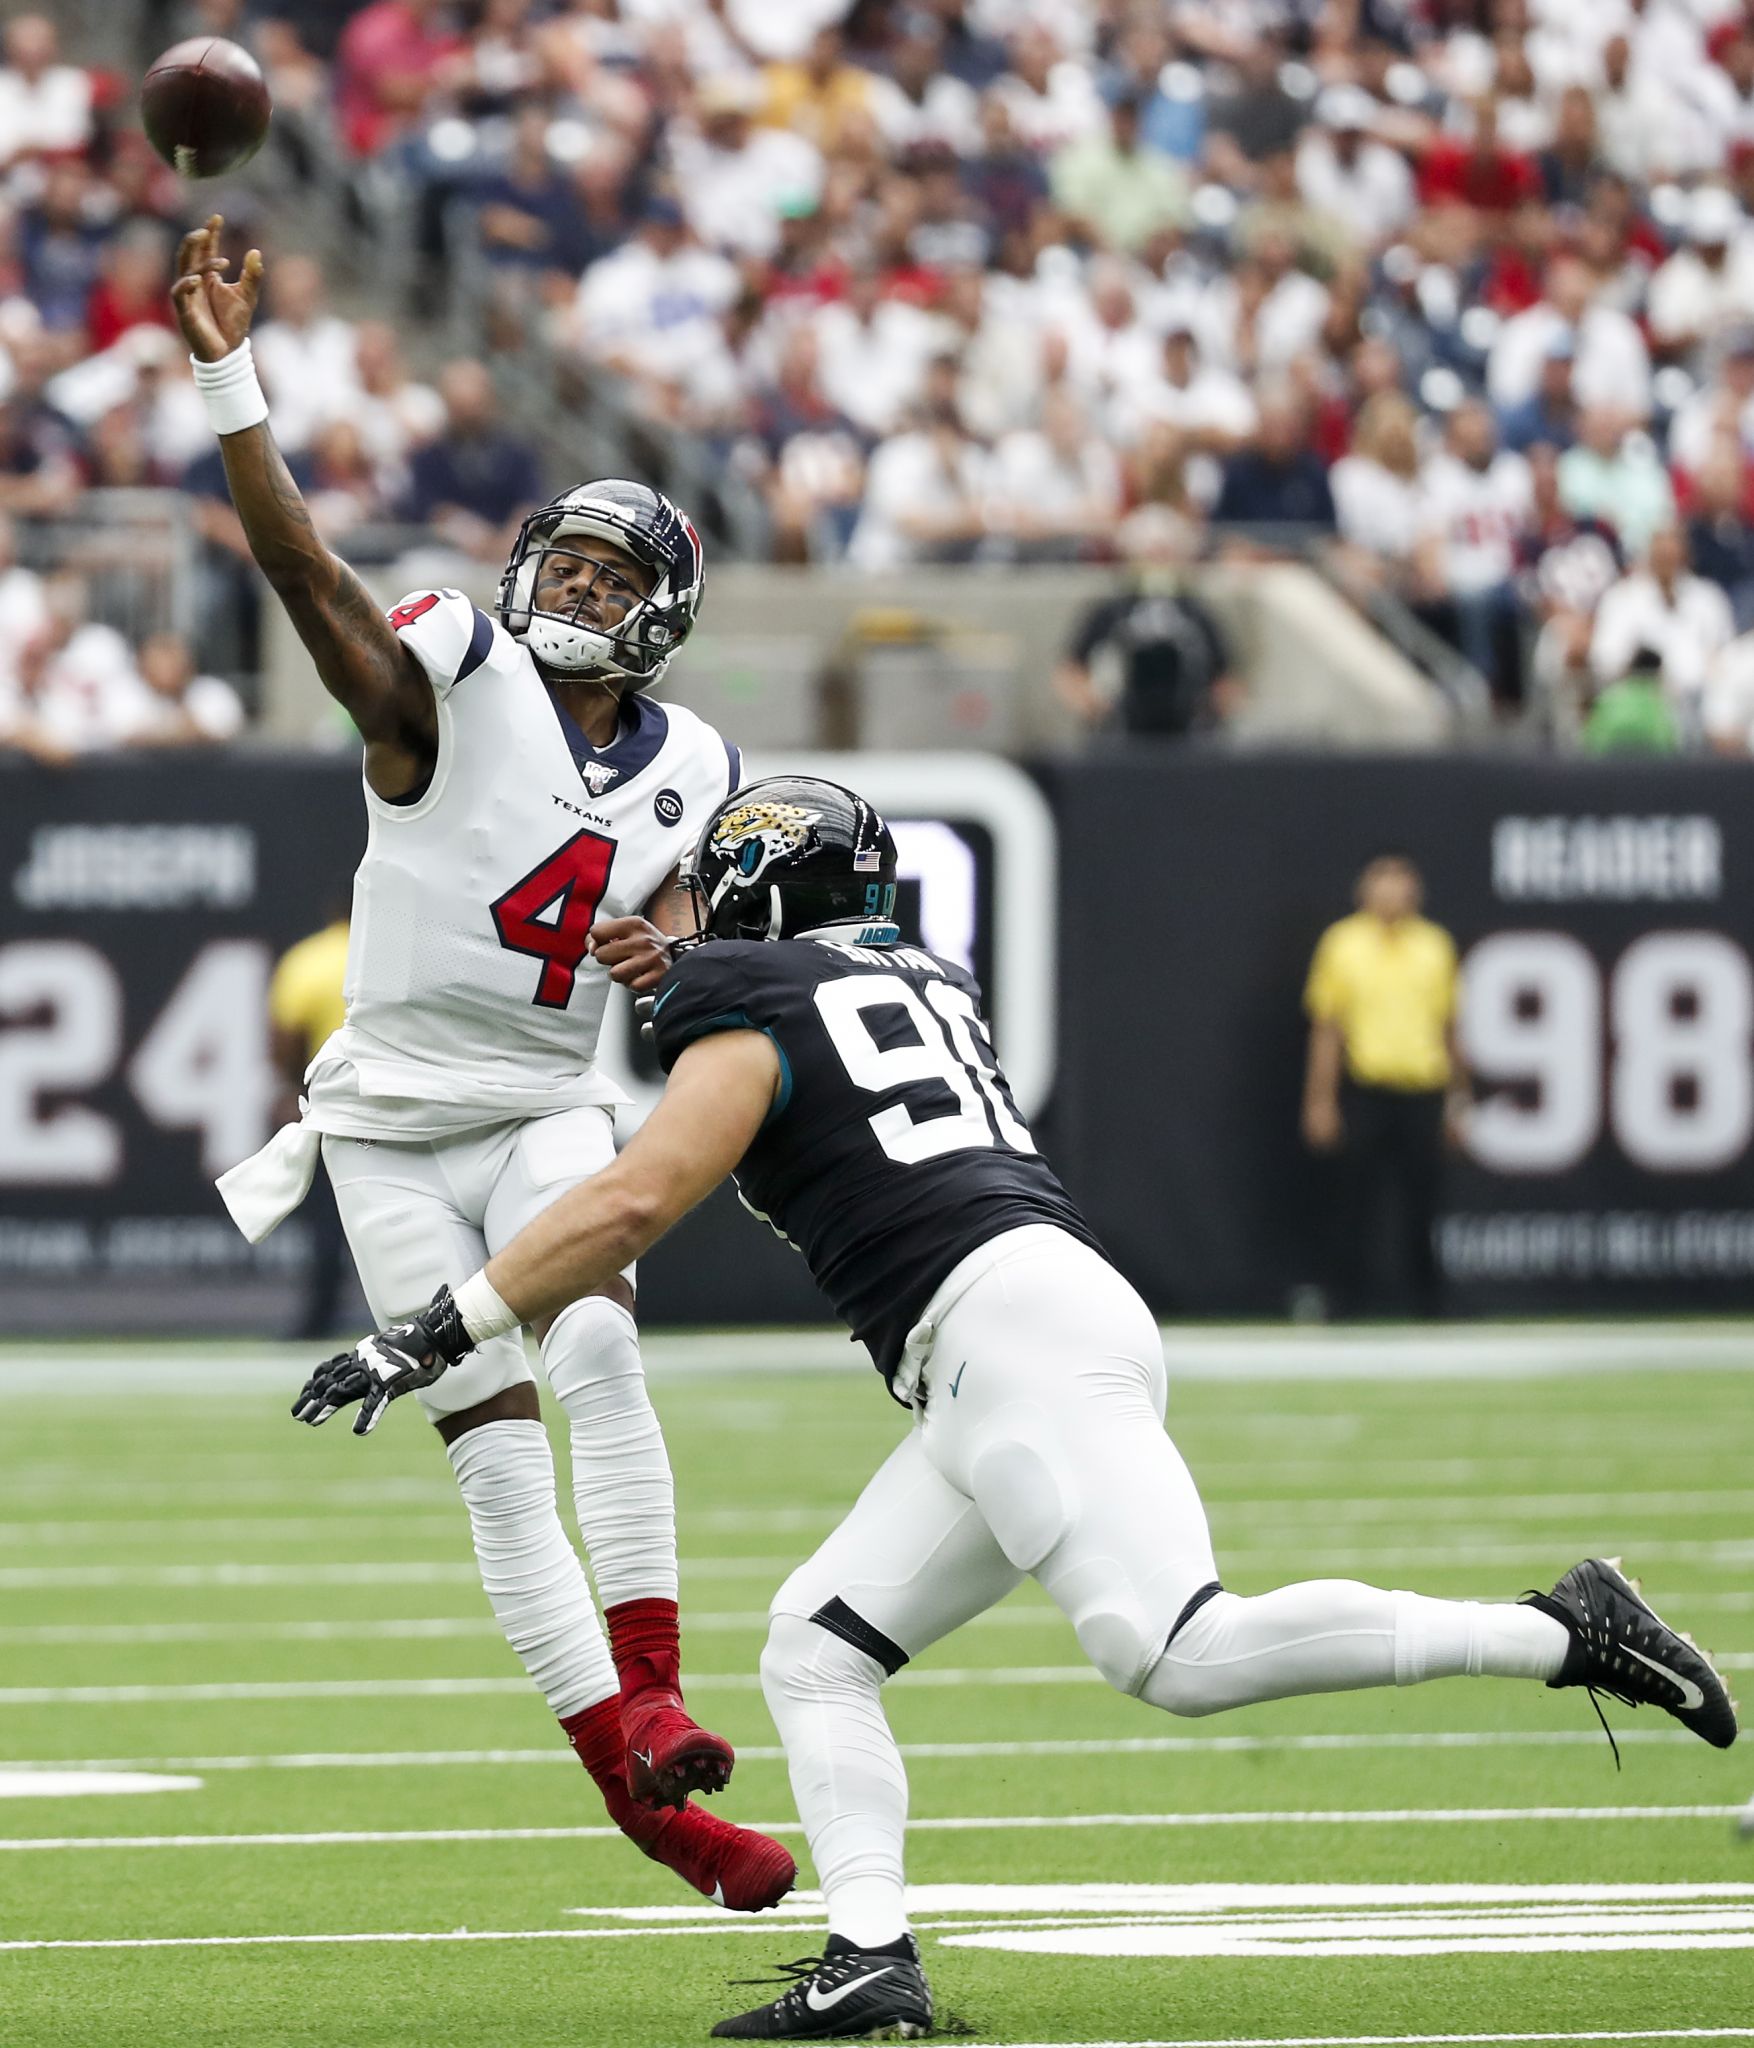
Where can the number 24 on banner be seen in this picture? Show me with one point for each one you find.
(1677, 1054)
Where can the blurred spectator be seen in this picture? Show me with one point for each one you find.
(650, 309)
(1278, 480)
(1614, 474)
(1114, 187)
(1720, 539)
(526, 210)
(76, 689)
(805, 454)
(1258, 118)
(1723, 406)
(733, 175)
(1664, 611)
(24, 606)
(1344, 173)
(46, 107)
(923, 489)
(874, 352)
(391, 59)
(133, 286)
(60, 244)
(1151, 659)
(816, 94)
(1209, 406)
(1708, 285)
(1475, 505)
(393, 413)
(1728, 705)
(1054, 491)
(1549, 414)
(39, 475)
(1376, 487)
(476, 481)
(1383, 1084)
(919, 101)
(185, 709)
(304, 354)
(1634, 714)
(1611, 365)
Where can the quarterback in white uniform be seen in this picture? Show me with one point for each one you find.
(528, 809)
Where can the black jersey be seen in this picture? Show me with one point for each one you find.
(893, 1149)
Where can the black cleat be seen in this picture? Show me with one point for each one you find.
(845, 1994)
(1621, 1646)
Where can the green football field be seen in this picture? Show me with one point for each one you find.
(268, 1774)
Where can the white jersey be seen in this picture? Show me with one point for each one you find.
(470, 996)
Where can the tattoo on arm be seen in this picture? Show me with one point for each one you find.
(362, 663)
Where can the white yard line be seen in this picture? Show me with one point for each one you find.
(728, 1924)
(1473, 1352)
(939, 1824)
(404, 1573)
(1417, 2040)
(771, 1753)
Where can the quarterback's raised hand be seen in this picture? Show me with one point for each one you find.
(388, 1364)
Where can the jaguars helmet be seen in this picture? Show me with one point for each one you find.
(651, 529)
(789, 855)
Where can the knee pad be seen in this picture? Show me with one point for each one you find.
(1020, 1488)
(801, 1659)
(1115, 1635)
(590, 1340)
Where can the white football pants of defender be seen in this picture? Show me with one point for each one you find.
(1041, 1452)
(420, 1215)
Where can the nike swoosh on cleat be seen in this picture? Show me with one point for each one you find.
(718, 1895)
(1691, 1695)
(819, 2001)
(643, 1756)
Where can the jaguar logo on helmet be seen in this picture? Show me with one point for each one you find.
(636, 648)
(754, 836)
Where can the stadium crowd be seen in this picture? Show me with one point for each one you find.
(1456, 298)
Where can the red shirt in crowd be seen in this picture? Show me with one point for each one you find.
(1453, 172)
(387, 46)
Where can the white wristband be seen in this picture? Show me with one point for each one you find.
(230, 391)
(483, 1314)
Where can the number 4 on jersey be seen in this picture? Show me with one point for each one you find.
(549, 913)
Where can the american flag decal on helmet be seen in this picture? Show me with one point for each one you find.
(869, 862)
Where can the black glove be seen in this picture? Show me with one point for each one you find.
(387, 1365)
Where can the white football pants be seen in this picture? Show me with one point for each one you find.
(423, 1214)
(1041, 1452)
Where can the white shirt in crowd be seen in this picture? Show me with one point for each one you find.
(308, 373)
(1688, 299)
(24, 612)
(1706, 415)
(1611, 367)
(907, 476)
(1478, 516)
(949, 113)
(1028, 478)
(1373, 195)
(1688, 628)
(872, 371)
(1213, 401)
(732, 196)
(663, 309)
(1727, 708)
(53, 115)
(1374, 508)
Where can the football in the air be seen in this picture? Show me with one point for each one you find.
(205, 107)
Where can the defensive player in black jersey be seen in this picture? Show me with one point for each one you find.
(849, 1082)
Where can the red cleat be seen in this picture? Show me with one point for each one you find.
(734, 1867)
(669, 1755)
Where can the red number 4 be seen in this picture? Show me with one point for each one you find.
(549, 913)
(415, 608)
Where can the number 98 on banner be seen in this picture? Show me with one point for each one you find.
(1653, 1050)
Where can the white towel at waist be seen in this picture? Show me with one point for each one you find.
(263, 1190)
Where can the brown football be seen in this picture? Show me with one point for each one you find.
(205, 107)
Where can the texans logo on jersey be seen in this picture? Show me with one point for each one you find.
(754, 836)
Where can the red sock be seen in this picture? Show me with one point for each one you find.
(595, 1733)
(646, 1646)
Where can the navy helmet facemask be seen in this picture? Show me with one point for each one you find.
(794, 854)
(644, 524)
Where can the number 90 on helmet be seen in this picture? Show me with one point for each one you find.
(794, 854)
(643, 523)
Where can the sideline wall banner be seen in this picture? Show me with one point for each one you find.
(1605, 915)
